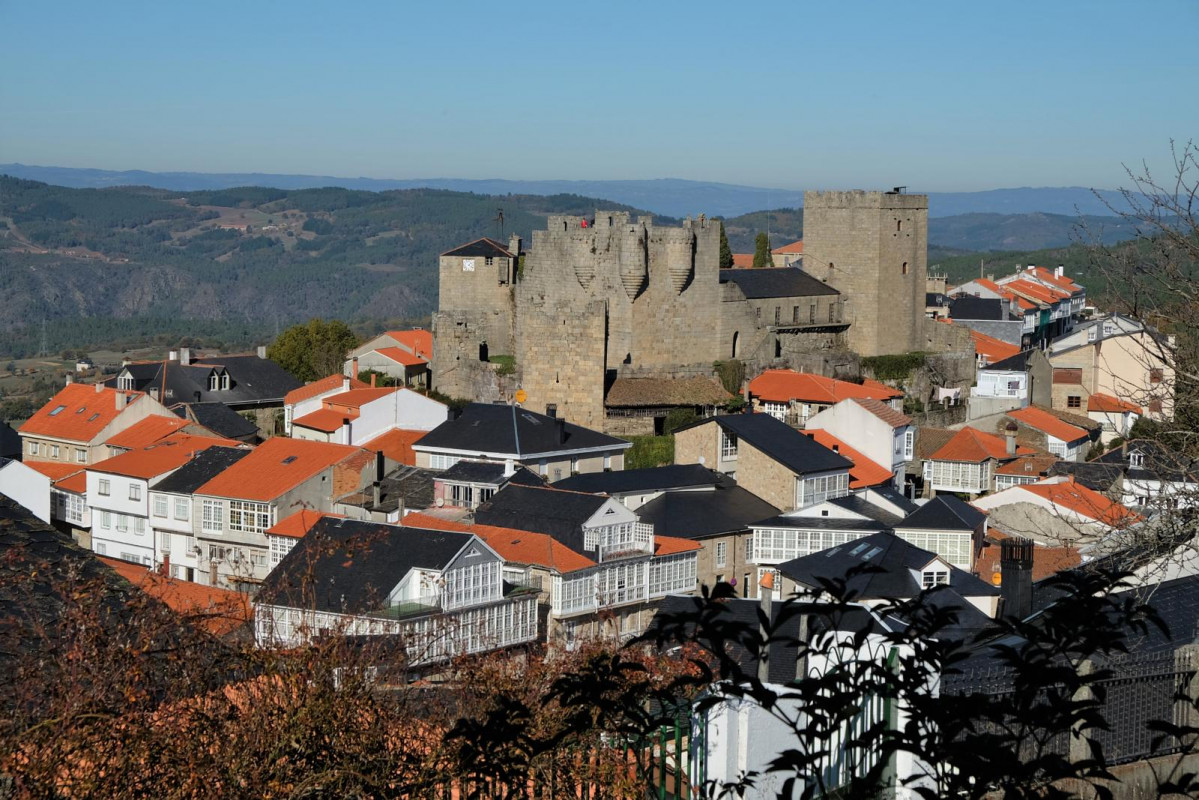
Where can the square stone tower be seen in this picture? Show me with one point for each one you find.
(873, 248)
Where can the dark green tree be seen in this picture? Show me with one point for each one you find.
(762, 257)
(313, 350)
(726, 253)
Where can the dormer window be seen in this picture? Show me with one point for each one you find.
(1136, 459)
(224, 380)
(934, 575)
(214, 382)
(125, 382)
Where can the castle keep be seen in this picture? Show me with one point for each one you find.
(607, 300)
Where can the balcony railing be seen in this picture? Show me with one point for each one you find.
(638, 541)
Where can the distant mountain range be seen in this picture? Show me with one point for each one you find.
(670, 196)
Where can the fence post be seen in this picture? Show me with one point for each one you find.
(1186, 703)
(1080, 743)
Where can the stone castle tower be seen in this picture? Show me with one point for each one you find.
(873, 248)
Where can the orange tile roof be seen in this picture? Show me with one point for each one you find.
(1063, 283)
(54, 470)
(324, 419)
(157, 459)
(896, 419)
(1046, 561)
(1036, 291)
(396, 445)
(975, 446)
(987, 283)
(356, 398)
(1032, 465)
(77, 413)
(864, 472)
(401, 356)
(147, 432)
(326, 384)
(299, 523)
(76, 484)
(276, 466)
(995, 350)
(670, 545)
(781, 385)
(1047, 423)
(218, 611)
(522, 547)
(787, 249)
(1083, 501)
(1108, 403)
(743, 260)
(418, 341)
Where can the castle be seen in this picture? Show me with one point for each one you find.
(594, 302)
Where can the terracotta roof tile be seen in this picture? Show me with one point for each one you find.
(1063, 283)
(276, 466)
(218, 611)
(158, 459)
(788, 249)
(417, 341)
(930, 440)
(782, 385)
(1032, 465)
(76, 484)
(147, 432)
(743, 260)
(522, 547)
(55, 470)
(1086, 502)
(356, 398)
(864, 472)
(77, 412)
(995, 350)
(896, 419)
(401, 356)
(1108, 403)
(325, 420)
(975, 446)
(1036, 291)
(396, 445)
(1047, 423)
(326, 384)
(669, 545)
(1046, 561)
(299, 523)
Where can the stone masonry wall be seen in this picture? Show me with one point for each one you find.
(765, 477)
(560, 357)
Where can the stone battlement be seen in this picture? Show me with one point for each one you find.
(858, 198)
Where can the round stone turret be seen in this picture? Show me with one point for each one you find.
(634, 261)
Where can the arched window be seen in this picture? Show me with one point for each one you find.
(736, 337)
(905, 268)
(898, 225)
(214, 381)
(483, 355)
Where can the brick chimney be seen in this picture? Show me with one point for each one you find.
(1015, 565)
(354, 367)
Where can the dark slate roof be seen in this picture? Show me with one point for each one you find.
(935, 299)
(694, 515)
(526, 477)
(944, 513)
(777, 282)
(798, 453)
(1091, 474)
(252, 380)
(10, 441)
(350, 566)
(203, 467)
(858, 505)
(736, 619)
(1016, 363)
(218, 418)
(651, 479)
(412, 485)
(890, 561)
(487, 428)
(968, 307)
(489, 472)
(486, 248)
(1158, 463)
(896, 497)
(541, 510)
(800, 522)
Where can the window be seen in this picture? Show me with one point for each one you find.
(135, 492)
(1074, 401)
(489, 261)
(904, 268)
(812, 313)
(213, 382)
(776, 410)
(139, 526)
(832, 312)
(722, 554)
(164, 542)
(1136, 459)
(551, 410)
(810, 491)
(249, 517)
(105, 519)
(442, 461)
(54, 451)
(101, 549)
(224, 380)
(280, 546)
(778, 313)
(258, 558)
(103, 487)
(1155, 375)
(749, 549)
(934, 577)
(125, 382)
(160, 505)
(57, 410)
(183, 508)
(728, 445)
(909, 444)
(80, 455)
(795, 314)
(33, 448)
(212, 519)
(460, 495)
(217, 553)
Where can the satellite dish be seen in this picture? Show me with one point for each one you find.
(440, 502)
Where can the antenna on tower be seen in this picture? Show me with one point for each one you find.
(499, 221)
(45, 347)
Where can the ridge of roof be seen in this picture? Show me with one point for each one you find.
(896, 419)
(326, 384)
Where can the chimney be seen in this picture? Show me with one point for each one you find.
(509, 468)
(514, 244)
(1060, 271)
(173, 355)
(354, 367)
(373, 376)
(261, 351)
(1030, 267)
(345, 423)
(185, 355)
(121, 400)
(70, 379)
(197, 394)
(766, 603)
(1010, 431)
(165, 568)
(345, 384)
(837, 449)
(99, 388)
(1015, 566)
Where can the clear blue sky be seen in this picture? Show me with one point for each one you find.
(940, 96)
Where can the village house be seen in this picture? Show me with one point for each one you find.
(628, 573)
(28, 486)
(636, 487)
(403, 356)
(1023, 469)
(310, 397)
(792, 397)
(966, 463)
(435, 594)
(175, 516)
(358, 416)
(1115, 415)
(1057, 511)
(75, 425)
(1151, 477)
(1060, 438)
(552, 448)
(220, 419)
(879, 431)
(991, 316)
(151, 431)
(1015, 382)
(767, 457)
(947, 526)
(281, 476)
(467, 484)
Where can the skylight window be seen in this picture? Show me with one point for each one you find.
(857, 550)
(289, 459)
(58, 410)
(81, 409)
(94, 417)
(874, 551)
